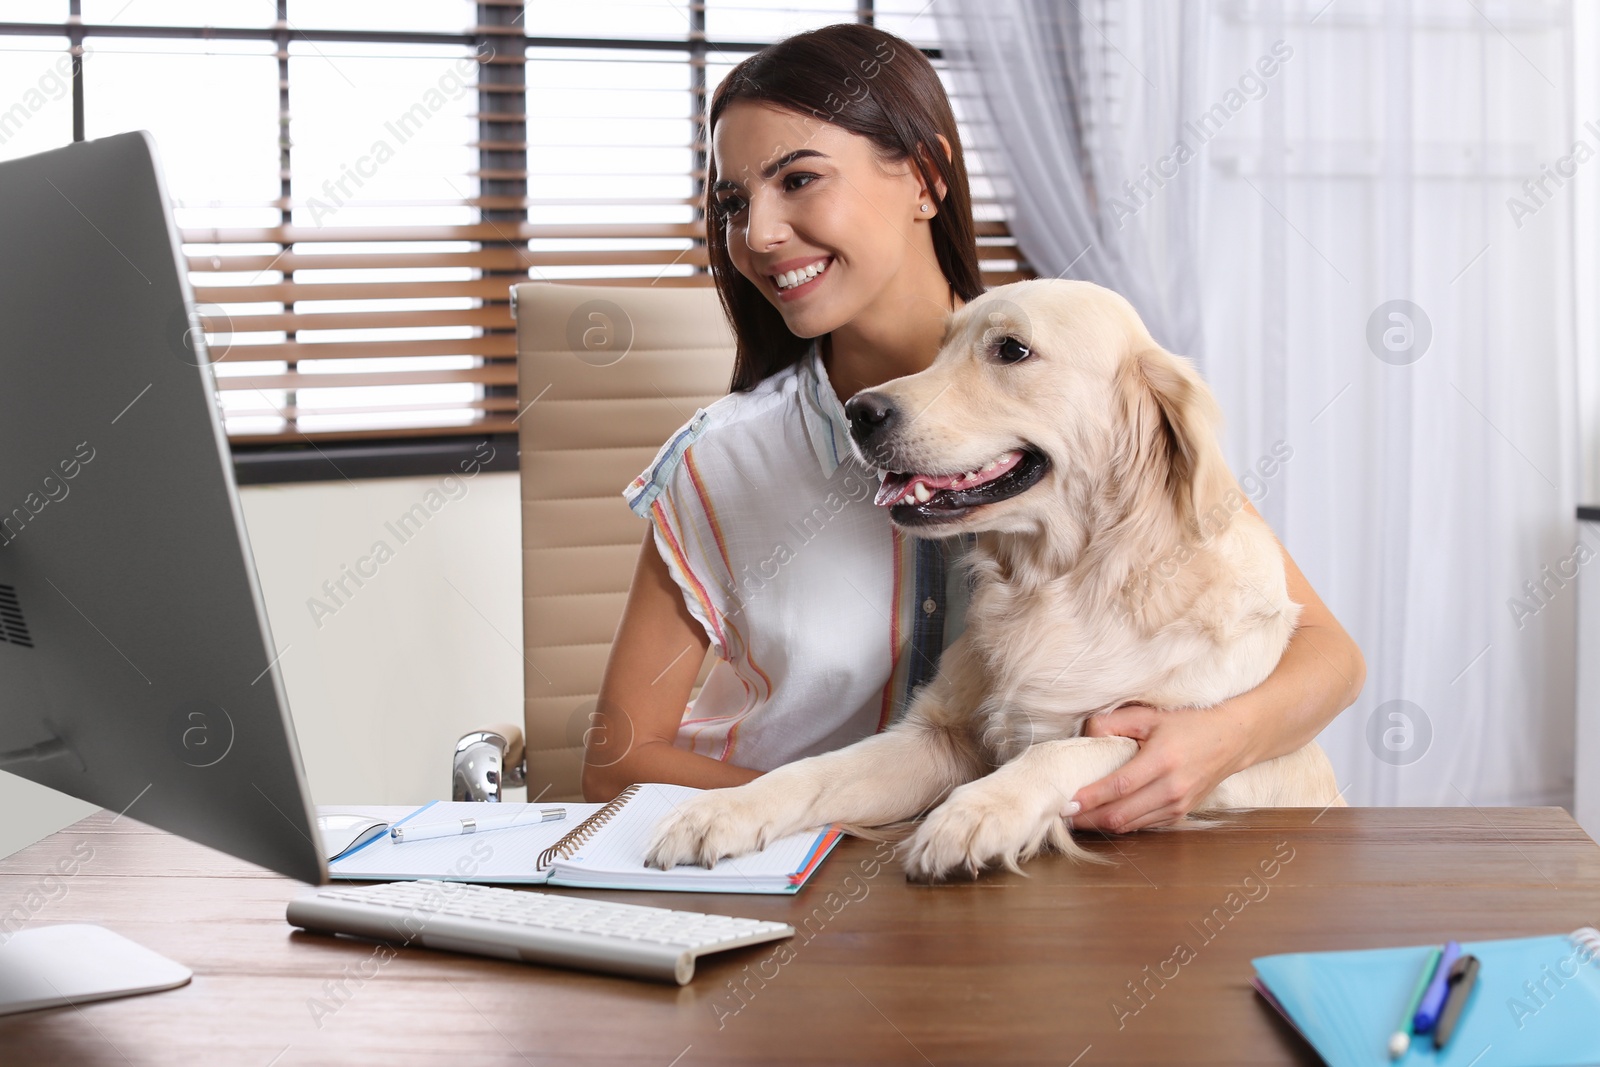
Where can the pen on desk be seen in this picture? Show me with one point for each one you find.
(1401, 1041)
(1462, 977)
(1433, 1000)
(476, 825)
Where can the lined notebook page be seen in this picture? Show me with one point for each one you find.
(615, 854)
(508, 855)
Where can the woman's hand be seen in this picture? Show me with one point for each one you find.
(1183, 755)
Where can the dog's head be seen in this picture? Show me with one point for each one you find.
(1049, 409)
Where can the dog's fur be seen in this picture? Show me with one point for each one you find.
(1128, 573)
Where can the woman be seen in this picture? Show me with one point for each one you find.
(840, 235)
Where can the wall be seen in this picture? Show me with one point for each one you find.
(383, 679)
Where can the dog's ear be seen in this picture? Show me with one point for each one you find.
(1172, 424)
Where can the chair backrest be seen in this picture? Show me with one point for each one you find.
(605, 375)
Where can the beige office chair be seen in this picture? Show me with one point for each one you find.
(605, 375)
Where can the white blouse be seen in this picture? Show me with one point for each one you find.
(824, 617)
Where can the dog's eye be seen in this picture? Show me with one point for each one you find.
(1012, 350)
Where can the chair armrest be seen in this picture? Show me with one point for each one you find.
(486, 762)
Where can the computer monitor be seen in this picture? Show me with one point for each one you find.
(139, 672)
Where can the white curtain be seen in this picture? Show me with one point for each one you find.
(1370, 230)
(1037, 84)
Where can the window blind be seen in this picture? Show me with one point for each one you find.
(359, 186)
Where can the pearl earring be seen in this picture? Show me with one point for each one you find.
(924, 207)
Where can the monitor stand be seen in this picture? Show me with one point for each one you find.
(48, 966)
(70, 963)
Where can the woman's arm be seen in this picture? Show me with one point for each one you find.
(1185, 753)
(654, 661)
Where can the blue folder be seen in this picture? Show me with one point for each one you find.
(1536, 1004)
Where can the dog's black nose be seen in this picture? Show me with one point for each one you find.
(870, 415)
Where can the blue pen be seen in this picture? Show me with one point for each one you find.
(1433, 1000)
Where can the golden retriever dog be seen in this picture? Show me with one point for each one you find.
(1114, 563)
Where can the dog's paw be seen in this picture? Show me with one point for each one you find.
(715, 825)
(979, 826)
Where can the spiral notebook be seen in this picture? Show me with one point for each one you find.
(600, 846)
(1536, 1003)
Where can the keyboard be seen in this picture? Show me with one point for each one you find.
(531, 927)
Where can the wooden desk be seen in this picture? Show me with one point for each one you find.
(1004, 970)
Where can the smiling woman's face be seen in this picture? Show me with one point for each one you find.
(796, 194)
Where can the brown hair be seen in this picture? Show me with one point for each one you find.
(870, 83)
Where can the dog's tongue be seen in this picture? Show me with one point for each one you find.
(893, 487)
